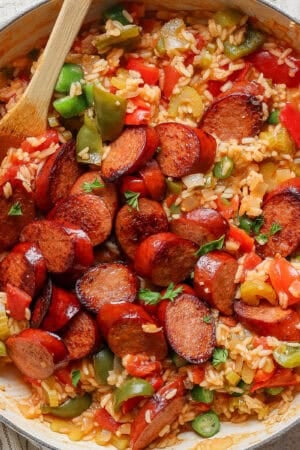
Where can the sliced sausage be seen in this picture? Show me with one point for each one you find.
(63, 306)
(106, 283)
(55, 243)
(165, 258)
(282, 209)
(214, 280)
(81, 336)
(129, 329)
(129, 152)
(41, 306)
(161, 410)
(267, 320)
(25, 268)
(208, 146)
(134, 225)
(88, 212)
(36, 353)
(107, 192)
(154, 180)
(201, 225)
(236, 114)
(57, 176)
(83, 249)
(190, 328)
(11, 225)
(180, 150)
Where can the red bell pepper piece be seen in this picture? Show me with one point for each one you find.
(140, 365)
(250, 262)
(281, 378)
(246, 242)
(171, 79)
(138, 117)
(267, 63)
(106, 421)
(150, 74)
(64, 376)
(17, 302)
(290, 118)
(156, 381)
(285, 280)
(228, 208)
(198, 374)
(130, 404)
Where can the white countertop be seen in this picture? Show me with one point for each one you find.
(8, 439)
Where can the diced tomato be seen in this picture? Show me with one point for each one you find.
(228, 321)
(200, 41)
(9, 175)
(237, 234)
(150, 74)
(136, 10)
(228, 208)
(141, 115)
(214, 87)
(198, 374)
(130, 404)
(17, 302)
(290, 118)
(261, 340)
(285, 279)
(267, 63)
(189, 57)
(50, 137)
(251, 260)
(201, 407)
(156, 381)
(281, 378)
(134, 184)
(106, 421)
(64, 376)
(171, 79)
(140, 365)
(261, 376)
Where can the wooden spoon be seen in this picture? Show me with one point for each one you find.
(29, 116)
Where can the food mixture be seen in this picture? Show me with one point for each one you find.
(150, 239)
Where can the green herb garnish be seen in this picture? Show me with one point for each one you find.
(220, 356)
(89, 187)
(15, 210)
(132, 199)
(275, 228)
(75, 375)
(207, 319)
(262, 238)
(149, 297)
(172, 292)
(210, 246)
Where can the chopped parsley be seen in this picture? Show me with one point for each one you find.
(15, 210)
(132, 199)
(207, 319)
(210, 246)
(172, 292)
(75, 375)
(220, 356)
(89, 187)
(275, 228)
(263, 238)
(153, 298)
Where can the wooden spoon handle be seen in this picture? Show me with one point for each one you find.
(40, 89)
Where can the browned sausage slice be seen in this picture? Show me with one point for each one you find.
(81, 336)
(129, 152)
(41, 306)
(129, 329)
(134, 225)
(235, 114)
(25, 268)
(11, 225)
(57, 176)
(165, 258)
(36, 353)
(180, 150)
(190, 328)
(107, 192)
(267, 320)
(201, 225)
(154, 180)
(161, 410)
(214, 280)
(88, 212)
(55, 243)
(282, 209)
(106, 283)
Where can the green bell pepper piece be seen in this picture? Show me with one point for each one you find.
(103, 363)
(174, 187)
(73, 407)
(110, 113)
(202, 395)
(273, 118)
(254, 39)
(69, 107)
(3, 351)
(88, 136)
(287, 356)
(135, 387)
(178, 361)
(116, 13)
(227, 18)
(88, 90)
(274, 390)
(127, 38)
(223, 168)
(70, 73)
